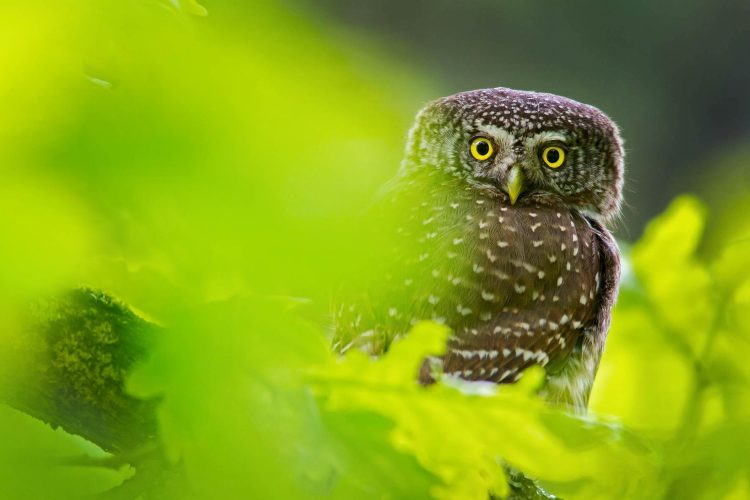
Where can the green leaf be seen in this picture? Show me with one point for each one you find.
(676, 284)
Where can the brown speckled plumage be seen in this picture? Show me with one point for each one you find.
(524, 283)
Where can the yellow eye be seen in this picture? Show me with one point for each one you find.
(481, 148)
(553, 156)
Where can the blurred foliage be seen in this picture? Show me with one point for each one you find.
(207, 170)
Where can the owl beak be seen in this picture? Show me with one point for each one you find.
(515, 183)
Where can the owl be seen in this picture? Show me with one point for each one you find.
(496, 225)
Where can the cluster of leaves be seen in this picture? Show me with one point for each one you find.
(675, 369)
(197, 195)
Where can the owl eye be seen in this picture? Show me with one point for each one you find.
(481, 148)
(553, 156)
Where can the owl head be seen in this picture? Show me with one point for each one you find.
(524, 147)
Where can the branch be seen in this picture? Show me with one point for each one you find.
(68, 365)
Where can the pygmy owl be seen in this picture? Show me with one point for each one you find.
(498, 217)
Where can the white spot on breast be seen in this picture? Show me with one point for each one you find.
(534, 227)
(428, 220)
(528, 267)
(392, 312)
(488, 296)
(540, 274)
(519, 288)
(452, 255)
(454, 206)
(555, 298)
(564, 319)
(542, 357)
(463, 311)
(575, 251)
(491, 256)
(481, 354)
(483, 224)
(435, 273)
(501, 275)
(477, 268)
(576, 325)
(485, 316)
(432, 299)
(527, 355)
(532, 214)
(552, 258)
(583, 300)
(483, 236)
(537, 243)
(563, 247)
(502, 244)
(458, 241)
(567, 266)
(559, 281)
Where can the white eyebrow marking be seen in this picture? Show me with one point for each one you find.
(535, 140)
(502, 137)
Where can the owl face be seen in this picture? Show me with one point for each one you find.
(524, 147)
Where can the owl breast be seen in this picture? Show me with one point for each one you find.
(517, 284)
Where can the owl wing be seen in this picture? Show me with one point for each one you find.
(374, 306)
(610, 268)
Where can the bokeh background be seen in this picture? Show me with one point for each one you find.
(670, 73)
(206, 164)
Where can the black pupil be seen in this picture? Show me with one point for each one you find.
(553, 155)
(483, 147)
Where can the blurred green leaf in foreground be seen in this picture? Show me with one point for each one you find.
(203, 169)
